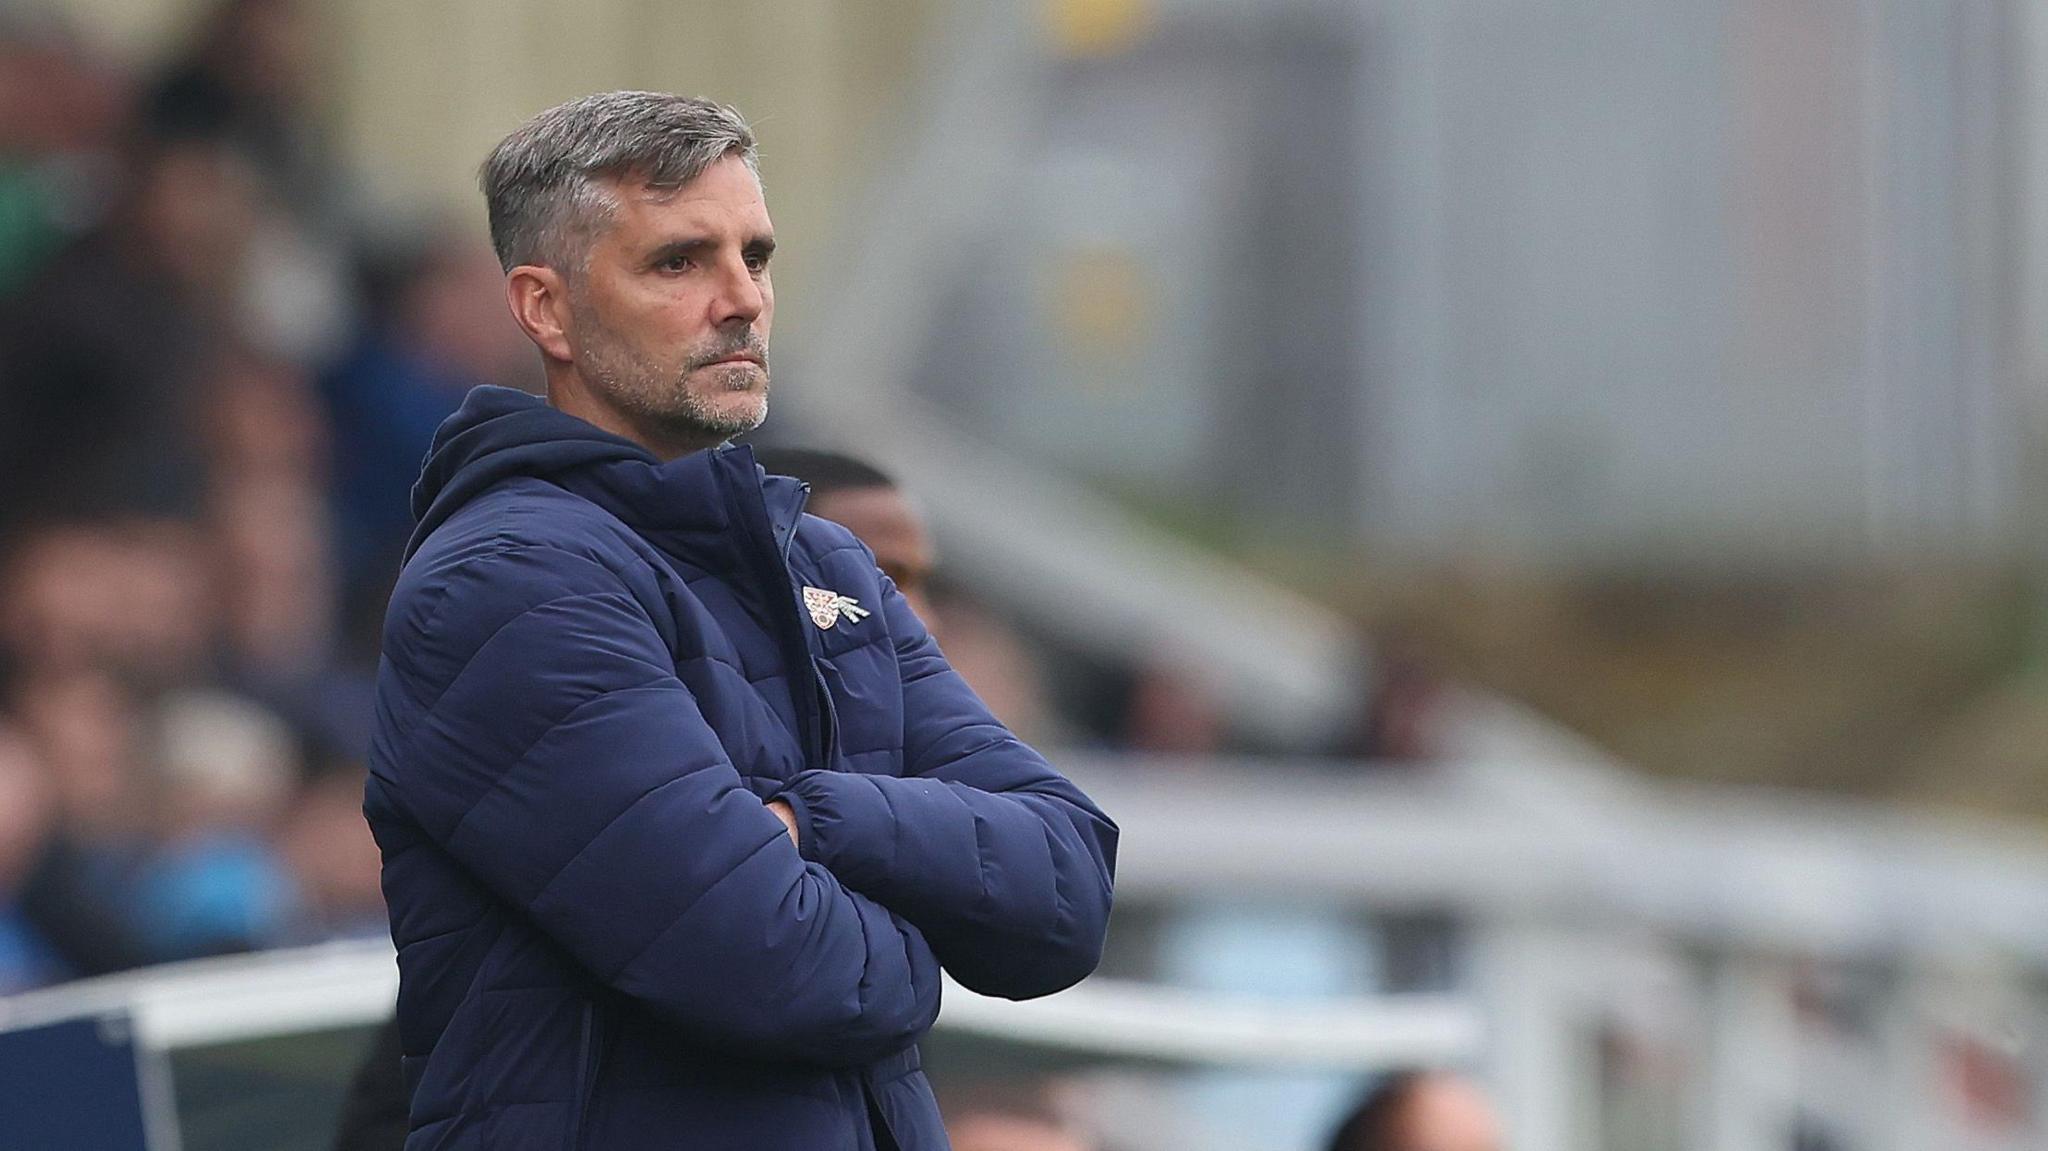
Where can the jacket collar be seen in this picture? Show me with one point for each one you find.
(700, 507)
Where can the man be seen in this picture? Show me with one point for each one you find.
(1010, 1115)
(1421, 1111)
(681, 809)
(849, 492)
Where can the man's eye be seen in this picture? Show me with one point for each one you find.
(757, 263)
(675, 264)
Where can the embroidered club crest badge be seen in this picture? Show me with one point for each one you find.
(828, 607)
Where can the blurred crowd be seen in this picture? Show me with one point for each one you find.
(218, 374)
(217, 377)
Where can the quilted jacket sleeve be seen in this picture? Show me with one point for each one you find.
(557, 757)
(1002, 862)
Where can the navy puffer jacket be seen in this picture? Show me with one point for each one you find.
(596, 668)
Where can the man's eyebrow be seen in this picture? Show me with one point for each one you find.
(679, 246)
(762, 245)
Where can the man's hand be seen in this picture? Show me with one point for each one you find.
(788, 817)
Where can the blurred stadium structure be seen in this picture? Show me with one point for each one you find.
(1678, 371)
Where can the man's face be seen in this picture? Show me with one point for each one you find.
(1447, 1114)
(671, 313)
(883, 519)
(1004, 1133)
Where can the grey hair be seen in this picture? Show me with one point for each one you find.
(545, 184)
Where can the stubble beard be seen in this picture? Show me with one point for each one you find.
(662, 401)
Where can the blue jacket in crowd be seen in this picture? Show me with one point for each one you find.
(597, 666)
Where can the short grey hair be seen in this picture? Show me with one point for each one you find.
(545, 184)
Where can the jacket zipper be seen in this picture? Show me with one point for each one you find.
(829, 716)
(590, 1054)
(816, 725)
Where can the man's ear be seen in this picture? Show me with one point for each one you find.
(540, 304)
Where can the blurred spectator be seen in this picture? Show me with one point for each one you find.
(225, 772)
(1404, 717)
(1010, 1117)
(1000, 666)
(164, 623)
(993, 659)
(444, 329)
(865, 501)
(333, 862)
(274, 579)
(276, 583)
(264, 424)
(59, 113)
(82, 725)
(998, 1131)
(129, 597)
(1171, 713)
(248, 84)
(167, 575)
(248, 80)
(1420, 1111)
(104, 352)
(27, 821)
(59, 597)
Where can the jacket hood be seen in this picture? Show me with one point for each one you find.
(501, 433)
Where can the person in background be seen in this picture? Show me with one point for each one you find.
(1421, 1111)
(212, 884)
(862, 498)
(1005, 1131)
(249, 79)
(60, 110)
(271, 542)
(82, 726)
(129, 597)
(331, 859)
(993, 658)
(27, 821)
(105, 350)
(1172, 713)
(1010, 1116)
(440, 328)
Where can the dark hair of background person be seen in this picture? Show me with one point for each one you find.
(1370, 1125)
(825, 471)
(10, 673)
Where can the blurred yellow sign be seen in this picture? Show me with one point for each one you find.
(1097, 27)
(1103, 302)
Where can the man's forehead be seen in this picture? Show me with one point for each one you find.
(727, 190)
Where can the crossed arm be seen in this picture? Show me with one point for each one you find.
(1002, 863)
(563, 764)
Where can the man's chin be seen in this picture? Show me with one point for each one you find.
(724, 421)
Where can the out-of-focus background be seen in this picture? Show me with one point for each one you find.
(1532, 514)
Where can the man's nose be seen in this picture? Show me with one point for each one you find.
(740, 298)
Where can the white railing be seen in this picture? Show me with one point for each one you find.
(1576, 893)
(236, 998)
